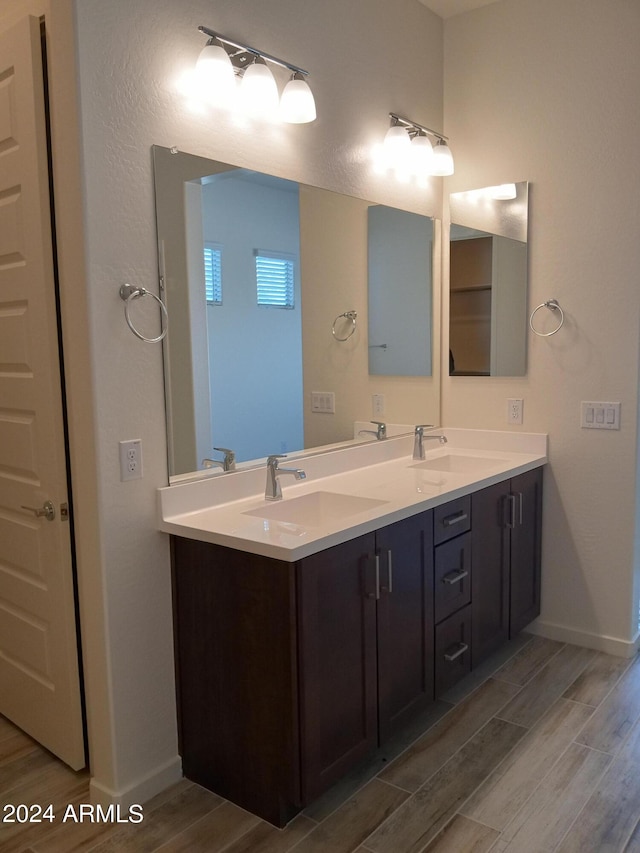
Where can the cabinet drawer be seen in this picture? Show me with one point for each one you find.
(452, 576)
(451, 519)
(453, 650)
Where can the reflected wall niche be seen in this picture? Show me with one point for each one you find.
(488, 282)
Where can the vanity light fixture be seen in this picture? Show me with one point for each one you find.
(407, 148)
(223, 61)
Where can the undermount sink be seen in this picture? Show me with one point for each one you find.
(459, 464)
(315, 509)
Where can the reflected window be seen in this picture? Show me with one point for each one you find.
(275, 276)
(213, 273)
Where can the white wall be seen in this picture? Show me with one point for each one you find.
(367, 57)
(546, 91)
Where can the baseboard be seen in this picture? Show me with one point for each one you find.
(610, 645)
(142, 790)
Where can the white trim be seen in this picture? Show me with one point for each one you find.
(610, 645)
(142, 790)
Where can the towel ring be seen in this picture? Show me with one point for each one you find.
(128, 293)
(552, 305)
(348, 315)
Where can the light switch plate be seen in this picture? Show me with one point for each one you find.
(323, 402)
(599, 415)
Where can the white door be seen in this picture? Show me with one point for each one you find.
(39, 682)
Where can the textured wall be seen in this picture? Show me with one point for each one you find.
(546, 91)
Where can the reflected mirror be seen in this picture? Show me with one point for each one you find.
(258, 273)
(400, 247)
(488, 281)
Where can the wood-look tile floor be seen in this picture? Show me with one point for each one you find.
(537, 751)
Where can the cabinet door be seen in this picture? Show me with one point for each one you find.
(490, 577)
(337, 653)
(526, 543)
(405, 620)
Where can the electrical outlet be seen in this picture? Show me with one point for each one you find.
(514, 411)
(377, 404)
(130, 460)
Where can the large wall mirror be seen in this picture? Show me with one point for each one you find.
(488, 281)
(258, 273)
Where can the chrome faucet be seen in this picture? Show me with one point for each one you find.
(273, 490)
(227, 464)
(380, 433)
(420, 438)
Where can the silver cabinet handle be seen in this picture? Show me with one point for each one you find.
(455, 576)
(454, 519)
(377, 576)
(462, 648)
(47, 510)
(520, 502)
(511, 523)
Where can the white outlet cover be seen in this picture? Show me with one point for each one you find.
(130, 460)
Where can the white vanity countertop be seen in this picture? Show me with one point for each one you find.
(346, 493)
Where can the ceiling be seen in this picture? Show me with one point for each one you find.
(447, 8)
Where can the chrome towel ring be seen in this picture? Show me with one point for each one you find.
(552, 305)
(348, 315)
(128, 293)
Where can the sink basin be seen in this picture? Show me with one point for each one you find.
(455, 464)
(315, 509)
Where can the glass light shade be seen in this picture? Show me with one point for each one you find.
(214, 74)
(442, 160)
(297, 105)
(503, 192)
(259, 91)
(396, 145)
(421, 155)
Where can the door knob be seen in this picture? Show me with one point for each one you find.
(47, 510)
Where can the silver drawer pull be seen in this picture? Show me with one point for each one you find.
(47, 510)
(455, 577)
(450, 520)
(462, 648)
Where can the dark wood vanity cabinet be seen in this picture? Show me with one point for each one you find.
(288, 674)
(506, 546)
